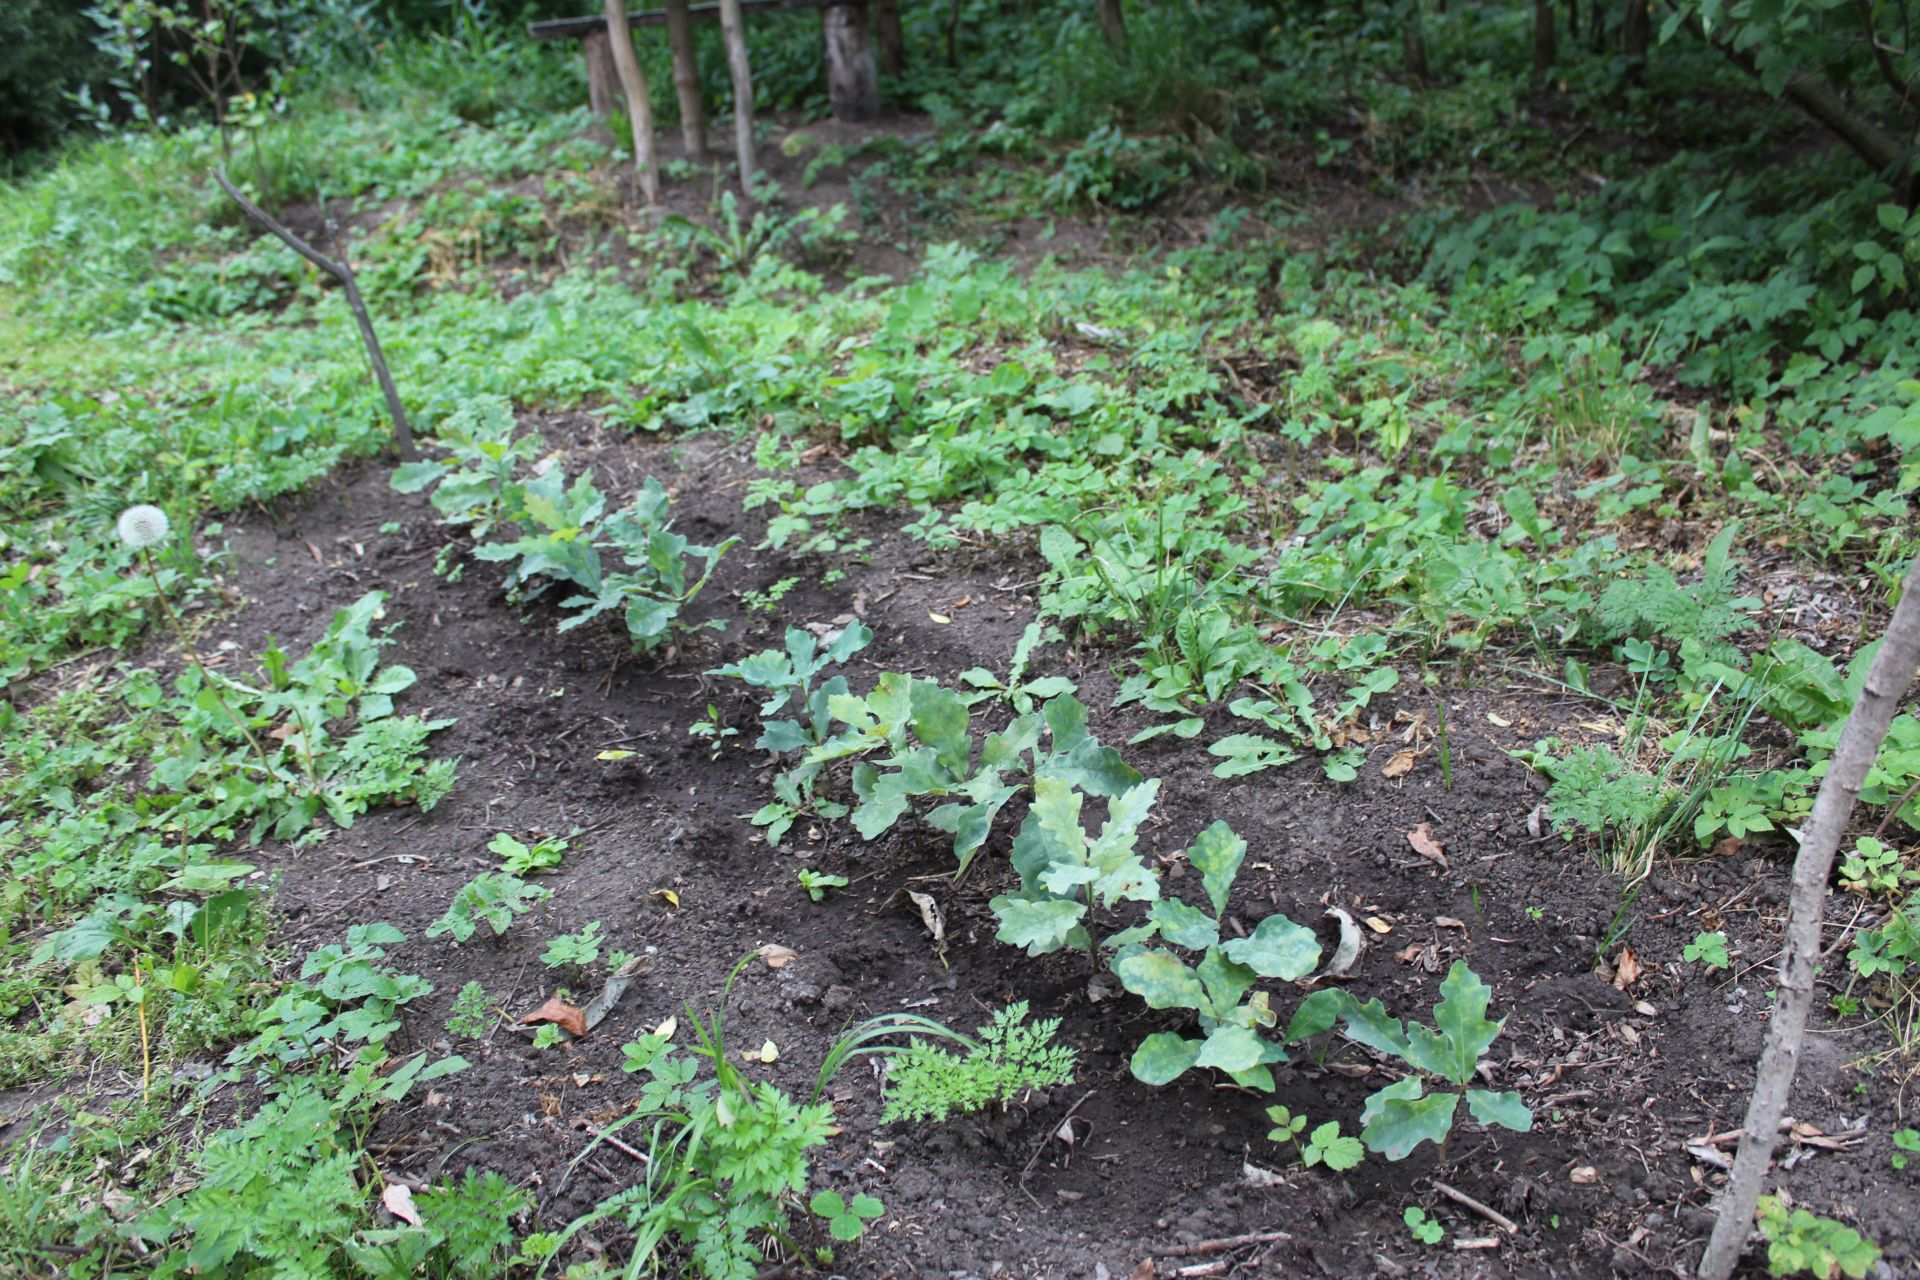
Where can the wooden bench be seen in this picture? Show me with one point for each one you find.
(852, 83)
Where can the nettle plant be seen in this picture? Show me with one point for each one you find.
(550, 532)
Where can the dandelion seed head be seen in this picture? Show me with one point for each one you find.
(143, 526)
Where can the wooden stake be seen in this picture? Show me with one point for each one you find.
(1887, 683)
(853, 90)
(686, 77)
(735, 35)
(639, 108)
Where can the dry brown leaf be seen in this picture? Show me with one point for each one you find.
(777, 956)
(1502, 721)
(1421, 838)
(398, 1199)
(1378, 925)
(1448, 922)
(1626, 970)
(560, 1014)
(1584, 1176)
(1400, 764)
(1726, 846)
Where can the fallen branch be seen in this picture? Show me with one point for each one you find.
(1221, 1245)
(1886, 685)
(341, 271)
(1466, 1201)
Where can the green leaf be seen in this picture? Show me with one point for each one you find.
(1398, 1119)
(1317, 1013)
(1163, 1057)
(1277, 948)
(1504, 1109)
(1159, 978)
(1185, 926)
(1465, 1031)
(1370, 1024)
(412, 477)
(1891, 216)
(1244, 753)
(1217, 854)
(866, 1206)
(1040, 926)
(1225, 982)
(940, 720)
(1232, 1049)
(1327, 1145)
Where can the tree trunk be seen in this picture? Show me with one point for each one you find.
(733, 31)
(1888, 681)
(686, 77)
(1545, 42)
(646, 164)
(953, 34)
(1634, 30)
(893, 44)
(1818, 99)
(853, 89)
(603, 78)
(1413, 43)
(1113, 23)
(1597, 26)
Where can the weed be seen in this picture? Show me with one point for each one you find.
(1801, 1243)
(1709, 949)
(929, 1084)
(472, 1016)
(816, 883)
(492, 898)
(1424, 1229)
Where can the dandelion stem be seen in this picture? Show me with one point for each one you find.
(206, 677)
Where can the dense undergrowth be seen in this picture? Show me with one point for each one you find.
(1607, 438)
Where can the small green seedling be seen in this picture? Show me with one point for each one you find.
(846, 1220)
(578, 949)
(493, 898)
(546, 1036)
(1906, 1140)
(519, 859)
(816, 883)
(1424, 1229)
(927, 1084)
(1710, 949)
(713, 730)
(1286, 1125)
(1401, 1116)
(470, 1017)
(1327, 1145)
(1800, 1243)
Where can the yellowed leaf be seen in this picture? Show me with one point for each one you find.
(766, 1053)
(615, 754)
(1378, 925)
(940, 618)
(667, 896)
(666, 1030)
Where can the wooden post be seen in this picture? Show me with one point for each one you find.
(639, 110)
(734, 32)
(603, 78)
(853, 88)
(686, 76)
(1545, 39)
(1113, 23)
(1634, 24)
(893, 44)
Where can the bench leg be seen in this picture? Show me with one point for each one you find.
(603, 80)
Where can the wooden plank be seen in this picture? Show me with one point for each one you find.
(580, 28)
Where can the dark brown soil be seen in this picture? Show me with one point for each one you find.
(1620, 1081)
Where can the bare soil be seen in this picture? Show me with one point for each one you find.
(1620, 1081)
